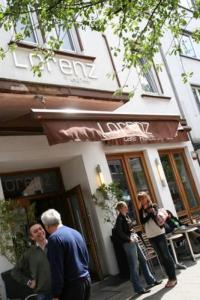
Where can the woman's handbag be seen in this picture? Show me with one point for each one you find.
(161, 216)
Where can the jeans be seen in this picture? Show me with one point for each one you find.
(77, 290)
(159, 244)
(44, 297)
(135, 257)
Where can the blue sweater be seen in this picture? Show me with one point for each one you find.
(68, 257)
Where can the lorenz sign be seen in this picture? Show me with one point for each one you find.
(113, 132)
(69, 67)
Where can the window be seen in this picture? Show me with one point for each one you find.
(186, 3)
(180, 181)
(21, 28)
(196, 93)
(30, 183)
(130, 172)
(149, 81)
(189, 47)
(67, 40)
(36, 35)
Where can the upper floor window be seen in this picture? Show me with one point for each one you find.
(31, 37)
(196, 93)
(189, 47)
(149, 79)
(187, 3)
(69, 38)
(66, 37)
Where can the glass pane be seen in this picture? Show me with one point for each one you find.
(28, 184)
(196, 93)
(20, 28)
(171, 182)
(65, 37)
(118, 176)
(138, 174)
(186, 46)
(148, 81)
(186, 3)
(185, 180)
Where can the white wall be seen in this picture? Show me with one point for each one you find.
(73, 174)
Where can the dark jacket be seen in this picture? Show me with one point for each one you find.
(34, 265)
(148, 215)
(171, 224)
(123, 228)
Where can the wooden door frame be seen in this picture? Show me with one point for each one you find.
(123, 157)
(87, 223)
(179, 183)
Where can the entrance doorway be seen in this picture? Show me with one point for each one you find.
(78, 219)
(180, 182)
(43, 189)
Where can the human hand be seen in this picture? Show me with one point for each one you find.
(32, 284)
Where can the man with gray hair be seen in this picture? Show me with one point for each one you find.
(68, 258)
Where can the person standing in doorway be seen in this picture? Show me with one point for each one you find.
(156, 236)
(33, 268)
(68, 257)
(135, 257)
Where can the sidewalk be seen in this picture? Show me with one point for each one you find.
(187, 288)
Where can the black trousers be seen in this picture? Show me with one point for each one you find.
(77, 290)
(159, 244)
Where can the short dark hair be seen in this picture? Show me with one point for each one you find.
(31, 225)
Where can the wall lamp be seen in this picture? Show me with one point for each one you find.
(100, 175)
(160, 171)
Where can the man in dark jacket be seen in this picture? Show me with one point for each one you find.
(33, 268)
(68, 257)
(125, 232)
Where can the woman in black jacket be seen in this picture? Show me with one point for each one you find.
(128, 238)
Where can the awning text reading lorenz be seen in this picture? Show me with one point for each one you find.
(61, 126)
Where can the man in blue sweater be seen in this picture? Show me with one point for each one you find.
(68, 257)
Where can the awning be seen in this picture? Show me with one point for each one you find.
(61, 126)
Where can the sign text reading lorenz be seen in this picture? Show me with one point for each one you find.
(61, 131)
(129, 131)
(67, 66)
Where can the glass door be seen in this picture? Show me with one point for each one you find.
(180, 182)
(80, 221)
(130, 172)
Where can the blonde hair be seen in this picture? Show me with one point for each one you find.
(143, 195)
(120, 204)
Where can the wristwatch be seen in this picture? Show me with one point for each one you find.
(29, 282)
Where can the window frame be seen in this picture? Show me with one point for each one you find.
(42, 38)
(195, 46)
(124, 158)
(154, 81)
(197, 91)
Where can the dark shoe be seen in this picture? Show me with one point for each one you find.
(157, 282)
(144, 291)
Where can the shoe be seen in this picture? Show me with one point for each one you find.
(180, 266)
(157, 282)
(145, 291)
(171, 283)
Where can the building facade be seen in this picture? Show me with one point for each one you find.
(55, 130)
(187, 62)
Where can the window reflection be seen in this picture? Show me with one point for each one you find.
(171, 182)
(185, 180)
(138, 175)
(118, 176)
